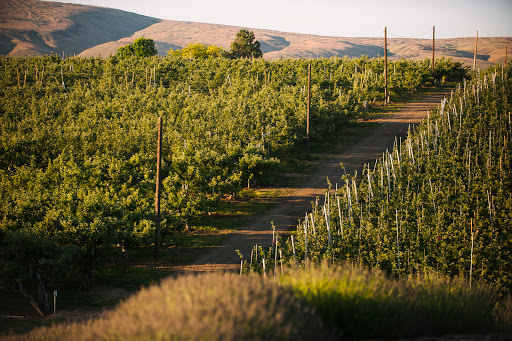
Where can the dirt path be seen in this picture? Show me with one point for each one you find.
(294, 207)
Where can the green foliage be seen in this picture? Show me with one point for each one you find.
(441, 200)
(447, 70)
(29, 263)
(245, 46)
(198, 50)
(141, 47)
(77, 154)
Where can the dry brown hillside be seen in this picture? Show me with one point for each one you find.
(31, 27)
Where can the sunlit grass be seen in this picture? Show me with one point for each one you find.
(317, 304)
(368, 304)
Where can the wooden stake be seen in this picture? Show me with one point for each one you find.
(397, 244)
(294, 255)
(62, 76)
(281, 259)
(471, 257)
(275, 261)
(250, 263)
(157, 195)
(308, 111)
(433, 48)
(385, 66)
(476, 48)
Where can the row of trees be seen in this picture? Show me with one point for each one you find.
(441, 200)
(77, 154)
(244, 46)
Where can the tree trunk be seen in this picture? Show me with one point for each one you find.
(42, 295)
(30, 299)
(87, 281)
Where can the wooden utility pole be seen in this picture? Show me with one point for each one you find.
(385, 66)
(476, 48)
(157, 195)
(433, 48)
(308, 116)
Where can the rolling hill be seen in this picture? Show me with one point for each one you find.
(32, 27)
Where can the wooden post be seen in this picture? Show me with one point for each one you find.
(385, 66)
(157, 195)
(476, 48)
(55, 302)
(471, 257)
(308, 111)
(433, 48)
(505, 55)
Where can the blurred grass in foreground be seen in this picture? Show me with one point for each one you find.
(338, 302)
(362, 303)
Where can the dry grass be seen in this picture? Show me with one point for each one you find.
(318, 304)
(199, 307)
(31, 27)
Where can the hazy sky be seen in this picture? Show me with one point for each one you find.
(341, 18)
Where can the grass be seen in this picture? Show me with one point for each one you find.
(337, 302)
(367, 304)
(199, 307)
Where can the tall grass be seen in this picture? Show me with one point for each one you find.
(360, 303)
(199, 307)
(322, 303)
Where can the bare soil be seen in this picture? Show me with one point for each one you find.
(297, 203)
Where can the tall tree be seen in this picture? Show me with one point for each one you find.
(141, 47)
(244, 45)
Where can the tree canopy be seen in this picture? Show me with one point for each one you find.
(198, 50)
(245, 45)
(141, 47)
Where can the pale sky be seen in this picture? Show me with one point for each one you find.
(339, 18)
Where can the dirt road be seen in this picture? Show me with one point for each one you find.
(293, 207)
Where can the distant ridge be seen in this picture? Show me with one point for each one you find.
(32, 27)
